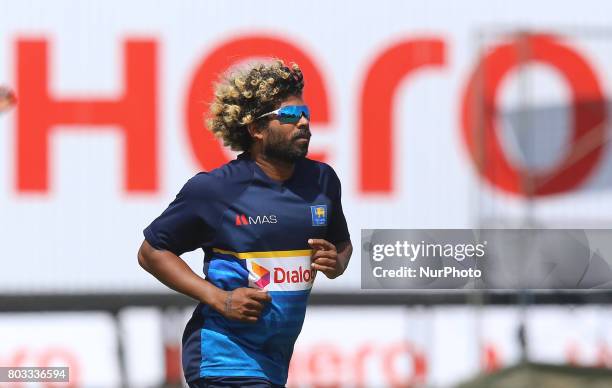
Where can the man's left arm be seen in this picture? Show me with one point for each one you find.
(333, 257)
(330, 259)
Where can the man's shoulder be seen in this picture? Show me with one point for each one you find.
(323, 173)
(320, 168)
(221, 181)
(237, 170)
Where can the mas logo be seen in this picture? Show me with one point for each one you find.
(243, 219)
(319, 215)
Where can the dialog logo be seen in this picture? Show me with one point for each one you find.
(263, 275)
(281, 274)
(299, 275)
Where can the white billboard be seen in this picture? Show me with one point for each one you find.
(108, 124)
(338, 346)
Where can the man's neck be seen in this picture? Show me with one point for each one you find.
(274, 169)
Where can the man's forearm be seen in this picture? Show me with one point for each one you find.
(172, 271)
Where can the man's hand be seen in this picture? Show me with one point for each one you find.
(325, 258)
(244, 304)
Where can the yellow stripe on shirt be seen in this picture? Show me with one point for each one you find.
(266, 254)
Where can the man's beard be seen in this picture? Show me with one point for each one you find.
(290, 151)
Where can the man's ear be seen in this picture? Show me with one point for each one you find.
(255, 131)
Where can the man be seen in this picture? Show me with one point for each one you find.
(7, 99)
(267, 222)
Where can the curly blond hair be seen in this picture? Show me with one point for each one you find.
(245, 93)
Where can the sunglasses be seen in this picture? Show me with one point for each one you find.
(289, 114)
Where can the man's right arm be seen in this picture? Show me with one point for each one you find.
(244, 304)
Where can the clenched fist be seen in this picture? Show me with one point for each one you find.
(325, 258)
(244, 304)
